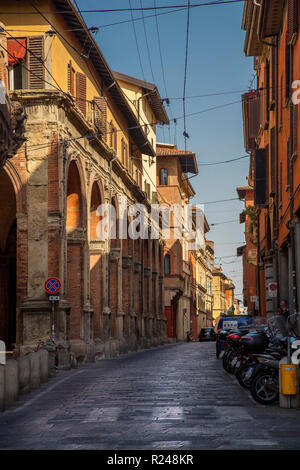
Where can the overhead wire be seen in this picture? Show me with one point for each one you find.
(147, 43)
(185, 134)
(136, 42)
(119, 10)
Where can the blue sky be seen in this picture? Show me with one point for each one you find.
(216, 64)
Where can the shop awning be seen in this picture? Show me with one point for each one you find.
(16, 51)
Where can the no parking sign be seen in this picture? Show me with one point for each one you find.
(272, 289)
(52, 285)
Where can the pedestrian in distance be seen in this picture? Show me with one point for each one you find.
(283, 310)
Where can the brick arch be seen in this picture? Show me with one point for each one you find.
(17, 183)
(74, 197)
(8, 259)
(95, 200)
(168, 252)
(76, 219)
(115, 242)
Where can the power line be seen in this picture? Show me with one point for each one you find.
(162, 64)
(225, 161)
(136, 42)
(185, 134)
(140, 125)
(147, 44)
(222, 200)
(226, 222)
(119, 10)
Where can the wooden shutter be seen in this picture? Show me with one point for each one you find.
(36, 62)
(273, 79)
(267, 172)
(280, 183)
(288, 150)
(101, 114)
(253, 121)
(272, 160)
(260, 177)
(292, 27)
(295, 129)
(287, 71)
(262, 106)
(267, 91)
(71, 79)
(81, 92)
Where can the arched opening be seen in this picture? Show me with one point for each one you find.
(7, 261)
(74, 203)
(96, 266)
(75, 251)
(114, 287)
(94, 218)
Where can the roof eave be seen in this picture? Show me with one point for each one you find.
(106, 74)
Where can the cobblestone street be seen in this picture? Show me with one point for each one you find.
(172, 397)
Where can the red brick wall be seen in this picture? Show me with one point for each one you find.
(75, 288)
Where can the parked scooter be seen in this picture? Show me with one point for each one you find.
(260, 372)
(232, 353)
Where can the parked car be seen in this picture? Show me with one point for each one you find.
(207, 334)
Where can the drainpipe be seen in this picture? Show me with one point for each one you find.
(258, 267)
(290, 223)
(276, 227)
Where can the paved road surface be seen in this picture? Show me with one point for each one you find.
(172, 397)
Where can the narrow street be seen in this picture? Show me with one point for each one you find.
(172, 397)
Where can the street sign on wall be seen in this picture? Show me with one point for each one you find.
(272, 289)
(52, 285)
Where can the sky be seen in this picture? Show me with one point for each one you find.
(216, 64)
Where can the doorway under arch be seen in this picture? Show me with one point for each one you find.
(8, 248)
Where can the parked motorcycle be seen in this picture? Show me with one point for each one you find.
(232, 353)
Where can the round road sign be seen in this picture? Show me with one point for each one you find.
(52, 285)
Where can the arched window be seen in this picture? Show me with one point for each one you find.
(163, 176)
(167, 264)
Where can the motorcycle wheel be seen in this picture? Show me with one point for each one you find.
(259, 388)
(226, 361)
(242, 380)
(217, 350)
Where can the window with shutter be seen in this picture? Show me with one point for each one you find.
(71, 79)
(295, 129)
(260, 177)
(262, 106)
(267, 172)
(273, 82)
(292, 28)
(287, 71)
(101, 114)
(272, 161)
(36, 62)
(111, 130)
(253, 122)
(17, 64)
(81, 92)
(281, 100)
(123, 151)
(288, 161)
(280, 183)
(267, 91)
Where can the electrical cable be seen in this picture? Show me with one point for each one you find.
(118, 10)
(185, 134)
(147, 44)
(136, 42)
